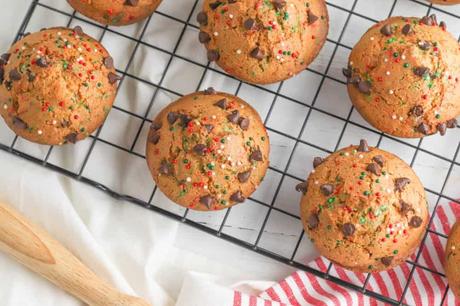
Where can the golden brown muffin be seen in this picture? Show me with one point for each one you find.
(208, 150)
(364, 208)
(404, 75)
(446, 2)
(452, 263)
(263, 41)
(115, 12)
(57, 86)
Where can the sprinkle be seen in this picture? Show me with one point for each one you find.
(213, 116)
(230, 16)
(222, 166)
(189, 179)
(54, 122)
(372, 38)
(59, 33)
(316, 182)
(403, 57)
(385, 60)
(388, 73)
(216, 34)
(238, 51)
(205, 187)
(453, 247)
(394, 116)
(5, 106)
(40, 132)
(391, 91)
(360, 156)
(401, 118)
(388, 190)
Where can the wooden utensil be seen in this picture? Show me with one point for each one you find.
(35, 249)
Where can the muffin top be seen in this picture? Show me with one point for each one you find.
(57, 86)
(115, 12)
(364, 208)
(263, 41)
(208, 150)
(452, 263)
(408, 69)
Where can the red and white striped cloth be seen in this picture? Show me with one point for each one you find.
(425, 286)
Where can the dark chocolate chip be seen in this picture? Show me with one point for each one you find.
(204, 37)
(155, 126)
(348, 229)
(154, 137)
(209, 127)
(327, 189)
(231, 1)
(386, 30)
(424, 45)
(400, 183)
(355, 79)
(208, 201)
(31, 76)
(415, 222)
(15, 75)
(222, 103)
(442, 128)
(249, 24)
(172, 117)
(423, 128)
(443, 25)
(237, 197)
(313, 221)
(404, 207)
(317, 161)
(416, 111)
(347, 72)
(132, 2)
(108, 62)
(243, 177)
(210, 91)
(234, 116)
(301, 187)
(215, 5)
(407, 29)
(452, 123)
(213, 55)
(243, 123)
(202, 18)
(42, 62)
(386, 261)
(311, 17)
(363, 146)
(71, 138)
(374, 169)
(19, 123)
(379, 160)
(78, 30)
(200, 149)
(185, 120)
(279, 4)
(8, 85)
(256, 155)
(4, 58)
(113, 78)
(421, 71)
(165, 168)
(364, 87)
(257, 53)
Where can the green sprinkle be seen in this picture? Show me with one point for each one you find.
(331, 200)
(406, 65)
(377, 181)
(396, 54)
(438, 116)
(185, 161)
(387, 235)
(223, 202)
(286, 16)
(262, 138)
(248, 143)
(227, 177)
(395, 252)
(367, 192)
(222, 140)
(210, 166)
(370, 267)
(362, 220)
(329, 227)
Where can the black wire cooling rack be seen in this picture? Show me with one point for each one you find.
(269, 208)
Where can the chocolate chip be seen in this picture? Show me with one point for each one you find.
(237, 197)
(113, 78)
(154, 137)
(374, 169)
(222, 103)
(301, 187)
(363, 146)
(442, 127)
(443, 25)
(279, 4)
(165, 168)
(210, 91)
(4, 58)
(108, 62)
(347, 72)
(213, 55)
(243, 123)
(317, 161)
(243, 177)
(202, 18)
(386, 261)
(172, 117)
(19, 123)
(257, 53)
(204, 37)
(416, 111)
(249, 24)
(65, 123)
(364, 87)
(424, 45)
(256, 155)
(132, 2)
(423, 128)
(78, 30)
(215, 5)
(209, 127)
(311, 17)
(400, 183)
(208, 201)
(407, 29)
(234, 116)
(355, 79)
(200, 149)
(404, 207)
(434, 18)
(231, 1)
(42, 62)
(386, 30)
(379, 160)
(348, 229)
(8, 85)
(452, 123)
(155, 126)
(30, 76)
(415, 222)
(421, 71)
(185, 120)
(326, 189)
(71, 138)
(15, 75)
(313, 221)
(2, 74)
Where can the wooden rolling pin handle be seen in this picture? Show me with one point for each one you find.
(35, 249)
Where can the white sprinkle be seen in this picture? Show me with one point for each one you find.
(23, 48)
(79, 49)
(394, 117)
(388, 73)
(351, 63)
(453, 247)
(239, 163)
(391, 91)
(372, 38)
(213, 164)
(39, 52)
(219, 152)
(213, 173)
(388, 190)
(230, 16)
(316, 182)
(347, 154)
(216, 34)
(241, 106)
(401, 118)
(278, 57)
(385, 60)
(95, 50)
(213, 116)
(254, 167)
(205, 187)
(229, 158)
(360, 156)
(238, 51)
(189, 179)
(233, 164)
(313, 171)
(222, 166)
(222, 146)
(5, 106)
(403, 57)
(59, 33)
(54, 122)
(40, 132)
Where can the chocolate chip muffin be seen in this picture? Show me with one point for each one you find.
(446, 2)
(57, 86)
(364, 208)
(208, 150)
(403, 77)
(115, 12)
(263, 41)
(452, 263)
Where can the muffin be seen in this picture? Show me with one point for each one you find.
(446, 2)
(57, 86)
(452, 262)
(208, 150)
(364, 208)
(263, 41)
(403, 77)
(115, 12)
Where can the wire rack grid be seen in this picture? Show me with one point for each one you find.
(163, 56)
